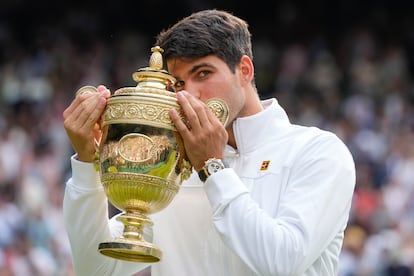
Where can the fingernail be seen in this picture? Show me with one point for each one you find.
(101, 88)
(105, 92)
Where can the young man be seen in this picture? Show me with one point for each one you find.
(279, 205)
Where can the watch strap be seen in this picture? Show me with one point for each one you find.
(203, 174)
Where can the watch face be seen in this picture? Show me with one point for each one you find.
(214, 166)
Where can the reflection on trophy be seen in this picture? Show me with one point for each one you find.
(141, 157)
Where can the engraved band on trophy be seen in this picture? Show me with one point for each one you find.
(141, 157)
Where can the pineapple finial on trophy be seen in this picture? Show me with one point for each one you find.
(155, 61)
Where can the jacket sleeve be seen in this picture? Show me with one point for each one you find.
(313, 210)
(85, 211)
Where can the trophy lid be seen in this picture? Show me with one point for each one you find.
(154, 76)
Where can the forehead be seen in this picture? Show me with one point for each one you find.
(179, 66)
(175, 64)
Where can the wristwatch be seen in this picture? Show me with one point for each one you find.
(211, 166)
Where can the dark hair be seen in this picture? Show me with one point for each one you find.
(207, 32)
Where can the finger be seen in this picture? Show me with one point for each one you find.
(201, 109)
(101, 88)
(84, 90)
(84, 112)
(89, 111)
(188, 110)
(194, 110)
(180, 125)
(104, 91)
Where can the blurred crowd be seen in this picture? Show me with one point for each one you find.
(368, 102)
(363, 91)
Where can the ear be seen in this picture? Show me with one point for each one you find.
(246, 69)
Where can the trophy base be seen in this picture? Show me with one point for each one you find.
(133, 251)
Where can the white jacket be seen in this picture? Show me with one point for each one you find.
(286, 218)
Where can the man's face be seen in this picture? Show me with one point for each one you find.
(209, 77)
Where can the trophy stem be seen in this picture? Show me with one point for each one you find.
(131, 246)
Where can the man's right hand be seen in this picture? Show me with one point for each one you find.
(82, 122)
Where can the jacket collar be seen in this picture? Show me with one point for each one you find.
(252, 131)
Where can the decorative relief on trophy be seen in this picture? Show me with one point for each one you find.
(141, 157)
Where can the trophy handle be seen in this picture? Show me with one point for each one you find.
(97, 158)
(87, 89)
(220, 109)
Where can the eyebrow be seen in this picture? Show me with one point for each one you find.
(198, 66)
(195, 68)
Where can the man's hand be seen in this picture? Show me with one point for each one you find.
(204, 136)
(82, 121)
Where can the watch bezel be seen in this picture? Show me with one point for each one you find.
(211, 166)
(214, 165)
